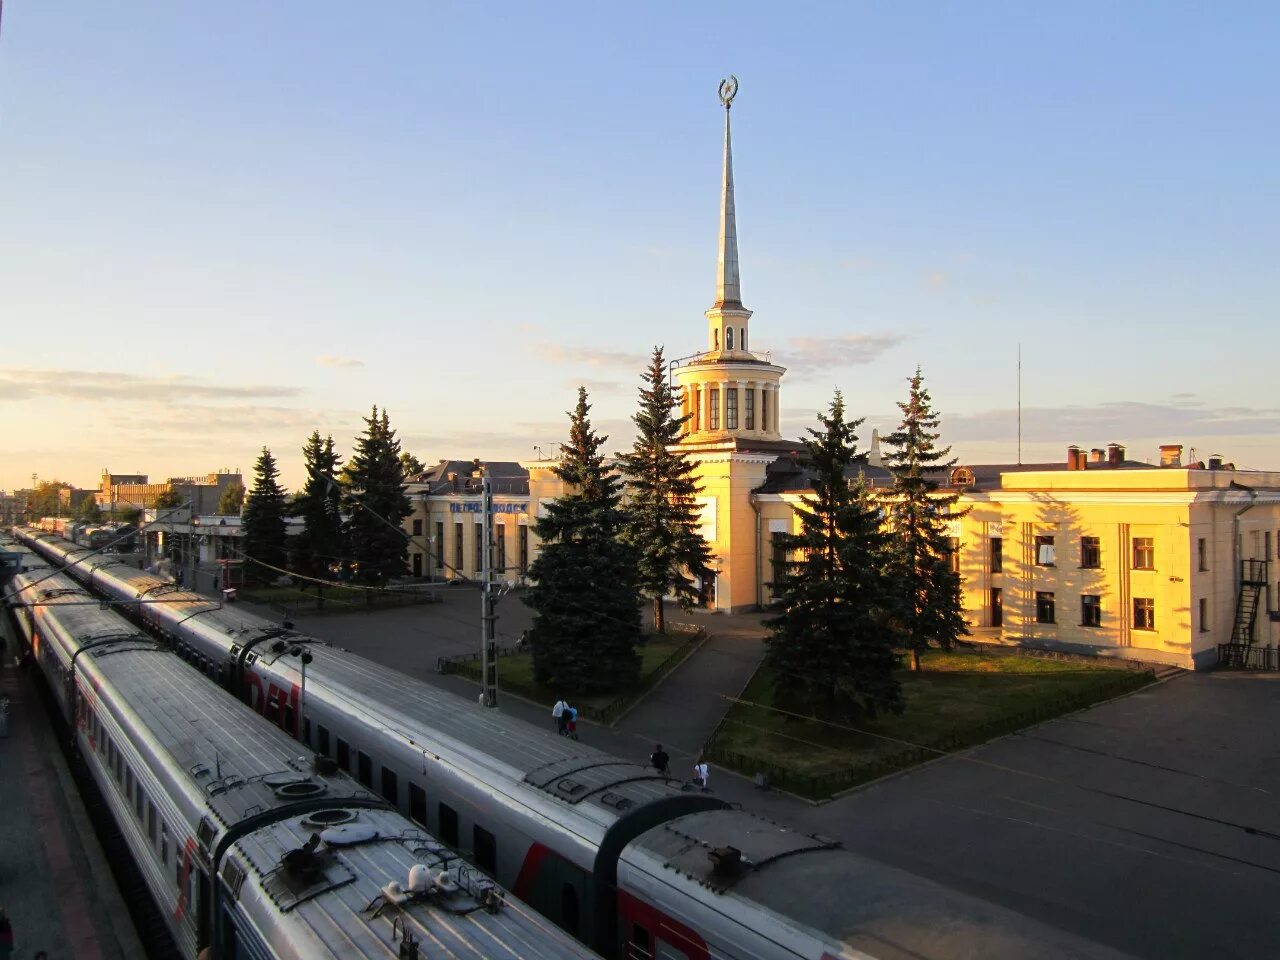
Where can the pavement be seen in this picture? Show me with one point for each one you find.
(1150, 823)
(55, 884)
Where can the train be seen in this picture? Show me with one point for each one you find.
(95, 536)
(251, 847)
(632, 863)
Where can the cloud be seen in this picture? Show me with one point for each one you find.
(811, 354)
(936, 280)
(585, 357)
(19, 384)
(328, 360)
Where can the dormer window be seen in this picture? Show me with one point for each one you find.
(728, 338)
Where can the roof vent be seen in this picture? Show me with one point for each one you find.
(324, 766)
(299, 790)
(1215, 461)
(419, 879)
(725, 861)
(329, 818)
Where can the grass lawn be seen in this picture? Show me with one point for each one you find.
(336, 599)
(957, 699)
(515, 673)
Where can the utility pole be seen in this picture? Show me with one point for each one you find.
(191, 546)
(488, 644)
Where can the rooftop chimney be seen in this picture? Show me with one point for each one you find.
(1115, 454)
(1074, 462)
(1170, 454)
(1097, 456)
(1215, 461)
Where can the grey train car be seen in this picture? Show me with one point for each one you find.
(621, 857)
(251, 847)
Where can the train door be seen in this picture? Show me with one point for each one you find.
(556, 888)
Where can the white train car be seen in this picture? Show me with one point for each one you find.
(251, 846)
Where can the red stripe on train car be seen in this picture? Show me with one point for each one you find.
(529, 869)
(683, 938)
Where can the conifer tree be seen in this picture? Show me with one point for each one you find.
(830, 647)
(928, 591)
(376, 503)
(264, 529)
(662, 515)
(585, 597)
(320, 544)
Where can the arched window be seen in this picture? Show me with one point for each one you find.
(715, 339)
(742, 338)
(728, 338)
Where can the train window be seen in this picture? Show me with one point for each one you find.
(365, 772)
(151, 822)
(324, 738)
(390, 786)
(418, 803)
(287, 721)
(569, 908)
(128, 783)
(164, 844)
(306, 730)
(448, 825)
(140, 801)
(486, 849)
(640, 949)
(344, 755)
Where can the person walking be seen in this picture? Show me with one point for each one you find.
(659, 760)
(571, 726)
(702, 774)
(558, 717)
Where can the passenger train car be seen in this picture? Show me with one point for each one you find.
(252, 847)
(625, 859)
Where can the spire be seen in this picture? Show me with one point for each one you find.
(728, 285)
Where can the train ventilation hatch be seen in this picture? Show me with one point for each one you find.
(299, 790)
(349, 834)
(329, 818)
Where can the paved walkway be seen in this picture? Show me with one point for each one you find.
(54, 881)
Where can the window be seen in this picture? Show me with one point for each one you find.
(324, 739)
(390, 787)
(1044, 551)
(151, 822)
(522, 545)
(164, 844)
(417, 564)
(997, 607)
(639, 943)
(764, 409)
(500, 541)
(1044, 607)
(457, 547)
(417, 527)
(417, 803)
(1202, 554)
(742, 338)
(749, 410)
(140, 802)
(1090, 610)
(306, 730)
(344, 755)
(448, 825)
(485, 849)
(1266, 545)
(728, 338)
(997, 554)
(1090, 552)
(479, 551)
(439, 546)
(953, 555)
(778, 554)
(128, 784)
(364, 771)
(714, 400)
(1144, 553)
(1204, 613)
(1144, 613)
(731, 408)
(697, 408)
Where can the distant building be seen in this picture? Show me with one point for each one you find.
(122, 491)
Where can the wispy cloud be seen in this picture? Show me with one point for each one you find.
(811, 354)
(329, 360)
(20, 384)
(596, 359)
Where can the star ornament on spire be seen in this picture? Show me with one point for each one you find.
(728, 90)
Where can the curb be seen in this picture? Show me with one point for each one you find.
(660, 679)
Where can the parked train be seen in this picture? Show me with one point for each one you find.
(623, 858)
(95, 536)
(250, 847)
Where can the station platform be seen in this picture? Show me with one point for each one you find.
(55, 884)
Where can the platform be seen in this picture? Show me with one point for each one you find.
(54, 880)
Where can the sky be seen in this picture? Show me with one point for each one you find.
(225, 225)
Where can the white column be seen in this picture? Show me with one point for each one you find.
(742, 401)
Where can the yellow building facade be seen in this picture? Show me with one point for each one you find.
(1096, 554)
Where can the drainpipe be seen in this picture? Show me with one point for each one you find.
(755, 505)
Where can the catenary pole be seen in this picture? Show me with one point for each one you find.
(488, 644)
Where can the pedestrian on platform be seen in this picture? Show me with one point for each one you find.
(557, 715)
(571, 724)
(659, 760)
(702, 774)
(6, 936)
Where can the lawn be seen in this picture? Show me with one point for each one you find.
(658, 655)
(336, 599)
(956, 700)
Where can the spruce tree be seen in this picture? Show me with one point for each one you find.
(264, 529)
(376, 503)
(662, 515)
(320, 544)
(585, 597)
(830, 647)
(928, 591)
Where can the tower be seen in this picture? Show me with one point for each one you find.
(730, 393)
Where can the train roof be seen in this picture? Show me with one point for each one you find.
(731, 859)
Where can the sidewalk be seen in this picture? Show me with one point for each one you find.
(54, 881)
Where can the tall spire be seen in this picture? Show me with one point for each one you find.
(728, 284)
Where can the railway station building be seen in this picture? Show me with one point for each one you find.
(1093, 554)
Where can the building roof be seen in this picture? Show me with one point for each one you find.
(507, 478)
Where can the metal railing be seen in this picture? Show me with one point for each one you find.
(1245, 656)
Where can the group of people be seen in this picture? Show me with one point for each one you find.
(565, 717)
(661, 762)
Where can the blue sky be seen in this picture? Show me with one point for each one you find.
(222, 225)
